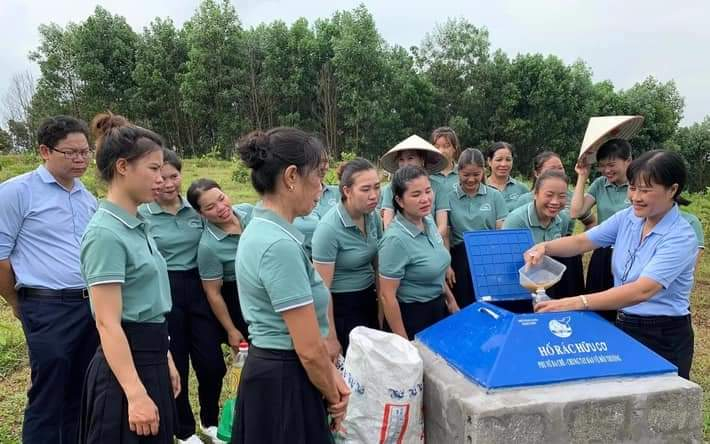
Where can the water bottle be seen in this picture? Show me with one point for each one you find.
(224, 431)
(540, 296)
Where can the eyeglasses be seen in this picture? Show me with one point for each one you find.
(631, 257)
(74, 155)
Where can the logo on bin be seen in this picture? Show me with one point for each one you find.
(560, 327)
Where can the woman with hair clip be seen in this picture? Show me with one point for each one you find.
(413, 259)
(345, 249)
(500, 160)
(328, 199)
(195, 334)
(224, 225)
(447, 142)
(131, 383)
(473, 205)
(289, 383)
(572, 282)
(652, 262)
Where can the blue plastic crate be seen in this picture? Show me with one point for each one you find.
(494, 257)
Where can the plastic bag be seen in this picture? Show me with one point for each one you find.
(385, 374)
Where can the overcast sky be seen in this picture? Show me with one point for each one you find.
(623, 41)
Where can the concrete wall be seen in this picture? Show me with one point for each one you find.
(659, 409)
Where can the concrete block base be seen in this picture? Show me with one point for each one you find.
(657, 409)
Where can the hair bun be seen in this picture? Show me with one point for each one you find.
(103, 123)
(254, 149)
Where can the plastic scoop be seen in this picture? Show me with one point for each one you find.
(541, 276)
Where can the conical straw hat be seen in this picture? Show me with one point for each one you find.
(435, 161)
(602, 129)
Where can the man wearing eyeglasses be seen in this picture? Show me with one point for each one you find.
(43, 215)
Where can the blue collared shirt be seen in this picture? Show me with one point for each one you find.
(41, 225)
(666, 255)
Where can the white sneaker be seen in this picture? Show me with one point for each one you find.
(211, 433)
(194, 439)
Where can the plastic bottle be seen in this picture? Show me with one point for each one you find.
(540, 296)
(231, 384)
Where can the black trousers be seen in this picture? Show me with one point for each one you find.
(195, 335)
(277, 403)
(352, 309)
(104, 408)
(600, 278)
(572, 282)
(230, 294)
(669, 336)
(463, 289)
(61, 339)
(417, 316)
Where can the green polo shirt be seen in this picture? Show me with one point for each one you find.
(529, 197)
(479, 212)
(445, 183)
(217, 249)
(418, 259)
(526, 217)
(440, 201)
(609, 198)
(697, 227)
(177, 235)
(338, 241)
(118, 248)
(307, 224)
(274, 275)
(511, 193)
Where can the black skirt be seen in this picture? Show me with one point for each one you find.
(230, 294)
(277, 403)
(669, 336)
(352, 309)
(600, 277)
(417, 316)
(104, 408)
(463, 289)
(572, 282)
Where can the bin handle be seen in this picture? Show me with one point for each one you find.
(489, 312)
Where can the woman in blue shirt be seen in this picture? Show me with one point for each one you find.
(652, 262)
(288, 380)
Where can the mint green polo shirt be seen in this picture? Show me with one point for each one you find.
(526, 217)
(177, 235)
(307, 224)
(439, 204)
(697, 227)
(418, 259)
(217, 249)
(274, 275)
(445, 183)
(511, 193)
(339, 242)
(479, 212)
(117, 248)
(609, 198)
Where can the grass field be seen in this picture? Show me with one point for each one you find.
(14, 372)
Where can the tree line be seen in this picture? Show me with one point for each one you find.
(206, 83)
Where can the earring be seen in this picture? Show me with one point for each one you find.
(290, 188)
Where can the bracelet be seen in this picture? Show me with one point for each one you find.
(584, 302)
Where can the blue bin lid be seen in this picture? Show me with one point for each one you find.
(494, 258)
(499, 349)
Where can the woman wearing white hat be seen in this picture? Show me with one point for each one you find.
(414, 151)
(605, 140)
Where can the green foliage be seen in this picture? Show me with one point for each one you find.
(242, 173)
(5, 141)
(210, 81)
